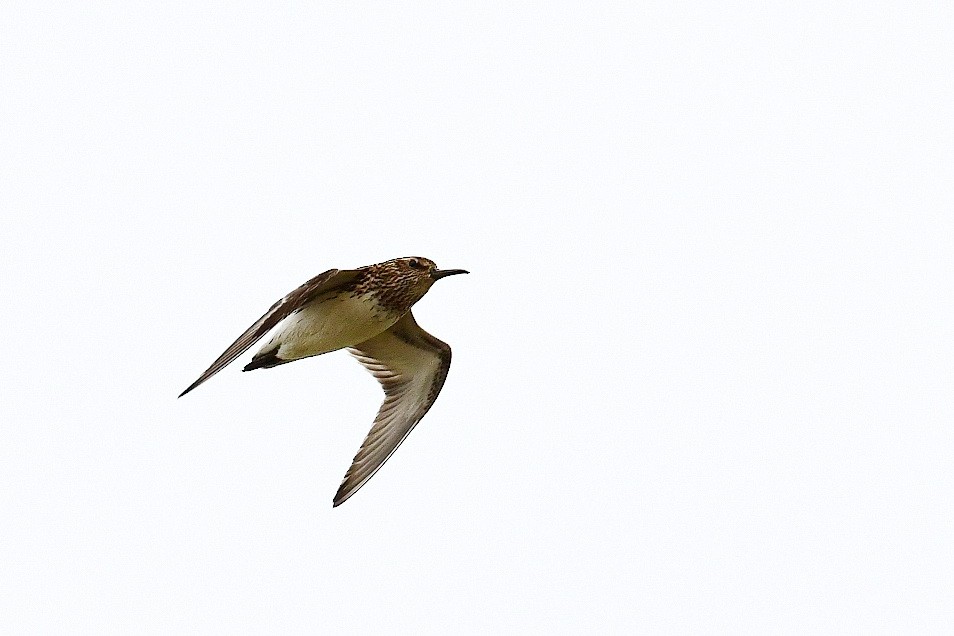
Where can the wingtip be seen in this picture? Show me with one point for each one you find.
(342, 496)
(189, 388)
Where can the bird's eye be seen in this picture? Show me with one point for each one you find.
(416, 264)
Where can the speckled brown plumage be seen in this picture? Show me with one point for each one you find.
(367, 310)
(396, 284)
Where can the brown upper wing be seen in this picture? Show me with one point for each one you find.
(411, 366)
(320, 284)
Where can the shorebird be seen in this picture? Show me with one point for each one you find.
(368, 311)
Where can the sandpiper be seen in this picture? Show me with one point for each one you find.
(368, 311)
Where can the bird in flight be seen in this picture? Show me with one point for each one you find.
(368, 311)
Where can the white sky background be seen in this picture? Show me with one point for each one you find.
(701, 366)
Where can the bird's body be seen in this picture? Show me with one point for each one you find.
(367, 310)
(334, 321)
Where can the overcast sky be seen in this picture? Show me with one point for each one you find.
(702, 364)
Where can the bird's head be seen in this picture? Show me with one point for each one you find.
(408, 279)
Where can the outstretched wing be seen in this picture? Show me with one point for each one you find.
(411, 366)
(320, 284)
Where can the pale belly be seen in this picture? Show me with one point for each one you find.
(329, 325)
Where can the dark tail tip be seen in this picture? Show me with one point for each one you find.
(264, 361)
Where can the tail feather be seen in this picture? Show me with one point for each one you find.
(265, 360)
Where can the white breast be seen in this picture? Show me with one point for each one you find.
(330, 324)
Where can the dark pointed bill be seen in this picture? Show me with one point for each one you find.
(441, 273)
